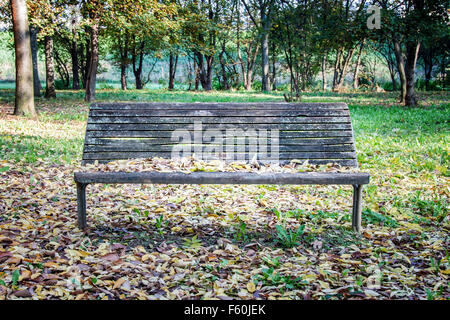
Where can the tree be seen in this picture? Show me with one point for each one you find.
(34, 51)
(263, 22)
(24, 103)
(44, 16)
(408, 24)
(137, 29)
(94, 10)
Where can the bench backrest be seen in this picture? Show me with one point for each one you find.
(317, 132)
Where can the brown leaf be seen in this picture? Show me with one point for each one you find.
(23, 293)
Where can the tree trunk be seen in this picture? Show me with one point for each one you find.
(343, 71)
(427, 55)
(324, 66)
(273, 78)
(34, 51)
(137, 70)
(358, 63)
(49, 68)
(394, 84)
(75, 64)
(91, 78)
(24, 102)
(412, 51)
(173, 61)
(337, 64)
(204, 76)
(401, 69)
(265, 51)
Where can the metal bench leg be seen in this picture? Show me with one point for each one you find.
(81, 205)
(356, 217)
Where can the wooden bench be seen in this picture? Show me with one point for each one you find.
(318, 132)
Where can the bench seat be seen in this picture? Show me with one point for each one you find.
(222, 178)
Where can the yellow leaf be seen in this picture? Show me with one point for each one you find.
(251, 287)
(160, 210)
(145, 257)
(119, 282)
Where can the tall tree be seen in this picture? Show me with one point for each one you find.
(263, 22)
(34, 52)
(24, 103)
(49, 68)
(95, 11)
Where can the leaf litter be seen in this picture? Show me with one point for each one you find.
(207, 241)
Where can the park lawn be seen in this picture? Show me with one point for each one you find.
(190, 242)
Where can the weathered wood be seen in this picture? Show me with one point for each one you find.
(246, 126)
(81, 204)
(222, 178)
(142, 147)
(168, 134)
(168, 141)
(163, 154)
(320, 112)
(215, 120)
(357, 205)
(341, 162)
(215, 106)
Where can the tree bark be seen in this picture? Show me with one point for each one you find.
(401, 69)
(91, 78)
(75, 63)
(412, 51)
(358, 63)
(34, 51)
(273, 78)
(343, 70)
(204, 73)
(49, 68)
(173, 61)
(324, 66)
(137, 67)
(24, 102)
(265, 51)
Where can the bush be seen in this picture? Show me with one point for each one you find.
(60, 85)
(257, 85)
(216, 85)
(387, 86)
(432, 86)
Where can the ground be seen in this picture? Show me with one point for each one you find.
(209, 242)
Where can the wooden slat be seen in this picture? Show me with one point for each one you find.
(212, 106)
(168, 141)
(222, 178)
(171, 127)
(168, 134)
(341, 162)
(217, 120)
(169, 148)
(318, 112)
(283, 155)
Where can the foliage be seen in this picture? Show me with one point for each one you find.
(288, 237)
